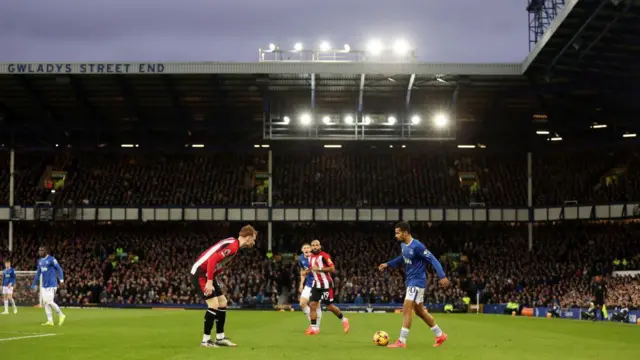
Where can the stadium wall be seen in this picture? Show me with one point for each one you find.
(572, 313)
(250, 214)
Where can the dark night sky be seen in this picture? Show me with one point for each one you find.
(233, 30)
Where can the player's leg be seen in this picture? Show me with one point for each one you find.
(221, 317)
(412, 295)
(335, 310)
(304, 301)
(431, 322)
(5, 298)
(316, 295)
(210, 315)
(13, 303)
(47, 299)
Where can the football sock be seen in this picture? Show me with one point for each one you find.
(319, 315)
(6, 305)
(209, 319)
(404, 334)
(341, 317)
(314, 324)
(56, 308)
(436, 330)
(47, 310)
(222, 316)
(306, 312)
(13, 303)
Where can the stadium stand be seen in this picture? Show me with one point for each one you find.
(148, 263)
(340, 179)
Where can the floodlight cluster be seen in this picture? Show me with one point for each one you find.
(374, 47)
(439, 120)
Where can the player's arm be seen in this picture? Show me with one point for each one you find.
(35, 279)
(58, 269)
(394, 263)
(428, 256)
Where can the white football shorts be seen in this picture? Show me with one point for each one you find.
(48, 294)
(6, 290)
(415, 294)
(306, 293)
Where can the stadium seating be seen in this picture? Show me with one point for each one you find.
(149, 263)
(340, 179)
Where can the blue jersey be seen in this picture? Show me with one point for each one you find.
(50, 270)
(9, 277)
(303, 263)
(415, 257)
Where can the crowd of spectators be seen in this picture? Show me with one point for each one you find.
(149, 263)
(329, 179)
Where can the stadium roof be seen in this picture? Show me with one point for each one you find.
(582, 72)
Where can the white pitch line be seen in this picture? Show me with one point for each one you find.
(27, 337)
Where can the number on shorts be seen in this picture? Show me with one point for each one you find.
(325, 295)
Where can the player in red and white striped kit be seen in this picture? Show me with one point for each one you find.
(209, 264)
(321, 268)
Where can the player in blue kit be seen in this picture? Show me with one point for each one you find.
(306, 283)
(50, 270)
(415, 257)
(8, 284)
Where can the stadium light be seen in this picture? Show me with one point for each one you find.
(542, 132)
(347, 48)
(401, 47)
(375, 47)
(330, 146)
(197, 145)
(440, 120)
(298, 47)
(348, 120)
(286, 120)
(466, 146)
(256, 146)
(325, 46)
(391, 120)
(127, 145)
(272, 47)
(629, 135)
(326, 120)
(598, 126)
(367, 120)
(305, 119)
(415, 120)
(265, 145)
(555, 138)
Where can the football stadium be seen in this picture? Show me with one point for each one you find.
(313, 189)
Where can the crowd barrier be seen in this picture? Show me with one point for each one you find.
(277, 214)
(573, 313)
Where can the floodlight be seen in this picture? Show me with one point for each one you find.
(375, 47)
(440, 120)
(401, 47)
(629, 135)
(298, 47)
(542, 132)
(286, 120)
(305, 119)
(347, 48)
(348, 120)
(391, 120)
(272, 47)
(415, 120)
(367, 120)
(556, 138)
(599, 126)
(325, 46)
(466, 146)
(326, 120)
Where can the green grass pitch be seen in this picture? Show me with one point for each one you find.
(98, 334)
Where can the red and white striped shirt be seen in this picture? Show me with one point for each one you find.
(321, 280)
(212, 261)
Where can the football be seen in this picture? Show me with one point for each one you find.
(381, 338)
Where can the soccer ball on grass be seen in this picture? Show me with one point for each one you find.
(381, 338)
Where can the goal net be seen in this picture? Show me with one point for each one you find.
(22, 293)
